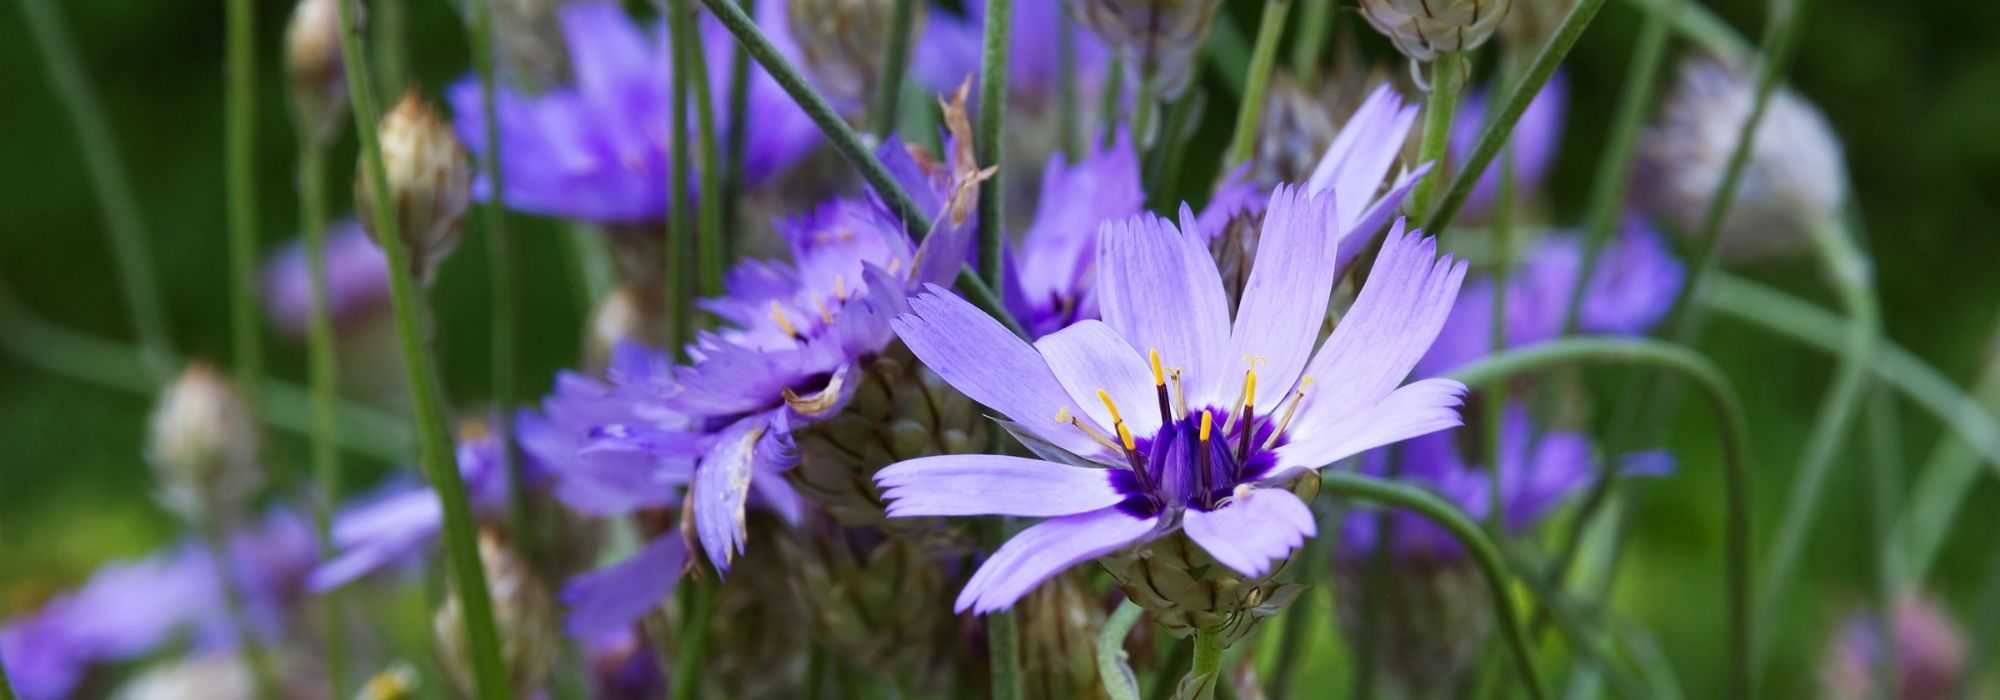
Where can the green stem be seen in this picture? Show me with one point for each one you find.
(1300, 620)
(1700, 25)
(1003, 644)
(113, 185)
(1448, 74)
(1142, 112)
(1517, 101)
(1848, 270)
(1614, 169)
(1207, 667)
(1112, 669)
(737, 144)
(324, 382)
(889, 89)
(1110, 100)
(1733, 435)
(991, 138)
(1311, 38)
(1496, 395)
(240, 148)
(1884, 458)
(1469, 535)
(426, 393)
(1163, 166)
(392, 44)
(681, 244)
(698, 611)
(1068, 100)
(714, 259)
(849, 145)
(255, 657)
(1263, 59)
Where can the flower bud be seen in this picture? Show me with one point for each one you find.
(1930, 655)
(524, 615)
(314, 66)
(1432, 620)
(430, 183)
(1160, 34)
(1296, 128)
(842, 42)
(1422, 29)
(883, 602)
(1795, 179)
(203, 446)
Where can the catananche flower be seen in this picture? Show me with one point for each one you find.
(357, 280)
(1146, 452)
(597, 151)
(1050, 268)
(1532, 144)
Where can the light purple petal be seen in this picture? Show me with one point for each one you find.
(775, 493)
(722, 489)
(1359, 158)
(1159, 289)
(977, 356)
(1362, 234)
(1252, 530)
(1284, 302)
(1391, 325)
(993, 485)
(1420, 407)
(612, 598)
(1045, 550)
(1089, 357)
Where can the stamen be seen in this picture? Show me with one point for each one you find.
(895, 264)
(1105, 396)
(785, 324)
(840, 287)
(1201, 458)
(1153, 356)
(1125, 435)
(1291, 408)
(1207, 425)
(1160, 387)
(1063, 416)
(1180, 395)
(825, 314)
(1249, 416)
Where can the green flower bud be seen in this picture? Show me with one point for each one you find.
(430, 184)
(1422, 29)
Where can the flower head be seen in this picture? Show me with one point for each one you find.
(1047, 286)
(597, 150)
(315, 68)
(357, 280)
(1422, 29)
(429, 184)
(203, 445)
(1168, 415)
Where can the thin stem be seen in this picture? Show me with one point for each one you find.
(240, 147)
(1448, 74)
(1142, 112)
(1884, 458)
(1314, 26)
(392, 46)
(849, 145)
(1300, 620)
(1468, 534)
(1614, 169)
(1700, 25)
(1733, 436)
(1205, 669)
(889, 89)
(698, 611)
(681, 232)
(991, 137)
(708, 241)
(736, 144)
(1069, 102)
(1003, 644)
(1517, 101)
(123, 221)
(1496, 394)
(255, 657)
(1110, 100)
(1112, 669)
(426, 393)
(323, 378)
(1263, 59)
(1163, 164)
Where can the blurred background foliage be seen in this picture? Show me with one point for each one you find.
(1912, 88)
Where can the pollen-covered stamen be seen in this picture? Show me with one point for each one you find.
(1291, 408)
(1125, 437)
(825, 314)
(1249, 422)
(840, 287)
(784, 323)
(1201, 472)
(1063, 416)
(1160, 387)
(1180, 394)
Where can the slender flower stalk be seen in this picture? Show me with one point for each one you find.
(708, 235)
(698, 612)
(736, 144)
(323, 380)
(1003, 642)
(241, 149)
(990, 139)
(1448, 74)
(1496, 395)
(122, 219)
(1069, 104)
(435, 449)
(1310, 40)
(1112, 670)
(681, 245)
(889, 89)
(1523, 93)
(263, 675)
(1263, 59)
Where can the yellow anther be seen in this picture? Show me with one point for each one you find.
(894, 265)
(1125, 436)
(1159, 376)
(1207, 424)
(785, 324)
(1062, 415)
(1291, 408)
(1105, 396)
(840, 287)
(1249, 388)
(825, 314)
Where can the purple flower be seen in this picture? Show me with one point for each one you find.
(1134, 451)
(1633, 287)
(1930, 654)
(950, 48)
(1350, 173)
(1534, 141)
(1049, 271)
(357, 280)
(598, 150)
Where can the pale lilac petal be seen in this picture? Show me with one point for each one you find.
(1416, 409)
(1047, 549)
(722, 489)
(612, 598)
(607, 53)
(1360, 156)
(1284, 302)
(1252, 530)
(775, 493)
(1362, 234)
(1391, 325)
(994, 485)
(1159, 289)
(977, 356)
(1088, 357)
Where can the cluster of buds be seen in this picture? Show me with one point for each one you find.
(842, 42)
(1156, 37)
(203, 446)
(524, 615)
(314, 65)
(429, 182)
(1422, 29)
(884, 602)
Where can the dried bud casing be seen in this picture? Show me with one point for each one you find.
(842, 42)
(1795, 179)
(1060, 621)
(1432, 620)
(1160, 35)
(314, 66)
(1296, 128)
(524, 615)
(1422, 29)
(1185, 590)
(430, 183)
(203, 446)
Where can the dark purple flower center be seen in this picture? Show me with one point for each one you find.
(1197, 459)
